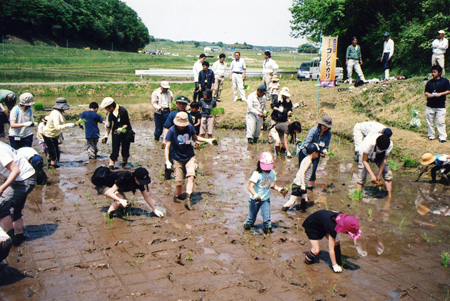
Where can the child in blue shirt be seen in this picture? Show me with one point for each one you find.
(261, 181)
(91, 119)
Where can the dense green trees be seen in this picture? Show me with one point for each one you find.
(412, 24)
(94, 23)
(307, 48)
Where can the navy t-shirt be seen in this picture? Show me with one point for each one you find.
(124, 180)
(171, 117)
(196, 116)
(207, 106)
(182, 142)
(440, 85)
(90, 125)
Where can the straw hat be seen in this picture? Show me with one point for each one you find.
(285, 92)
(106, 102)
(181, 119)
(165, 84)
(427, 159)
(275, 78)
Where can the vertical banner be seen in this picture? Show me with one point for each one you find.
(328, 61)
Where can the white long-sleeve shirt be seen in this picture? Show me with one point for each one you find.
(161, 100)
(388, 46)
(256, 105)
(270, 66)
(196, 70)
(439, 46)
(219, 68)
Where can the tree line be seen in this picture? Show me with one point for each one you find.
(412, 24)
(100, 23)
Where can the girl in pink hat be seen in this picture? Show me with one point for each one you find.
(329, 224)
(262, 180)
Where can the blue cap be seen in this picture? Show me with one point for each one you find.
(262, 88)
(386, 34)
(387, 132)
(312, 148)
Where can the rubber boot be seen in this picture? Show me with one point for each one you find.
(337, 252)
(167, 173)
(250, 140)
(5, 246)
(187, 202)
(255, 140)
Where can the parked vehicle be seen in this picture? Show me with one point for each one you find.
(314, 70)
(303, 71)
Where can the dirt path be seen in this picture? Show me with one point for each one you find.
(73, 253)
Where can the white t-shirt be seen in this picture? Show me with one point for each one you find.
(26, 152)
(368, 147)
(219, 68)
(8, 155)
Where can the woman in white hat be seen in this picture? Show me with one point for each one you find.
(21, 121)
(53, 129)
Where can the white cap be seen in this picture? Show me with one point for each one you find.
(441, 31)
(106, 102)
(165, 84)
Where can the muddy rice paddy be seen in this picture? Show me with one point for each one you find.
(72, 252)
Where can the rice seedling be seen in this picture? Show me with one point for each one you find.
(426, 237)
(445, 256)
(357, 195)
(401, 223)
(332, 290)
(189, 256)
(370, 212)
(300, 273)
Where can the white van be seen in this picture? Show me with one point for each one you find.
(314, 70)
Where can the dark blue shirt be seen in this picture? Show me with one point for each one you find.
(206, 106)
(206, 79)
(182, 142)
(169, 120)
(438, 86)
(196, 116)
(90, 125)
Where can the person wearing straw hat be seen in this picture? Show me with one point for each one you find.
(439, 163)
(21, 120)
(270, 68)
(53, 130)
(256, 112)
(439, 46)
(162, 102)
(182, 137)
(118, 124)
(273, 89)
(329, 224)
(321, 135)
(282, 108)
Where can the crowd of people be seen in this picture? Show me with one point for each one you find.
(180, 129)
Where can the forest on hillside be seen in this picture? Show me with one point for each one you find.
(100, 23)
(412, 24)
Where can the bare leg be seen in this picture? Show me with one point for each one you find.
(177, 191)
(190, 185)
(388, 185)
(18, 226)
(6, 223)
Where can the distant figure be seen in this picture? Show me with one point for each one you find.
(273, 89)
(237, 76)
(21, 120)
(205, 78)
(161, 101)
(207, 103)
(256, 112)
(354, 60)
(91, 119)
(219, 68)
(388, 52)
(270, 68)
(439, 46)
(195, 71)
(436, 90)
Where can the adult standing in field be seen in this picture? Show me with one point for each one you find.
(375, 148)
(21, 120)
(205, 78)
(195, 71)
(219, 68)
(118, 124)
(388, 52)
(270, 68)
(354, 60)
(256, 112)
(439, 46)
(161, 101)
(436, 90)
(237, 76)
(7, 102)
(53, 128)
(321, 135)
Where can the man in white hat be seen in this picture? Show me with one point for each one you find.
(21, 121)
(388, 52)
(256, 112)
(161, 101)
(270, 68)
(439, 46)
(182, 136)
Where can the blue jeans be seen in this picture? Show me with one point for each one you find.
(21, 142)
(159, 122)
(386, 61)
(253, 208)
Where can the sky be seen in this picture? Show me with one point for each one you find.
(257, 22)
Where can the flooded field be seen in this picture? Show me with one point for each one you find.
(73, 252)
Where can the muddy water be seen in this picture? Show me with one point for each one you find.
(72, 252)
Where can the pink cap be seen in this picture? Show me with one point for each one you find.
(349, 224)
(266, 161)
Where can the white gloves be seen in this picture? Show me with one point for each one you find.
(123, 202)
(303, 187)
(168, 165)
(70, 125)
(280, 109)
(337, 268)
(257, 198)
(158, 213)
(28, 123)
(288, 154)
(104, 139)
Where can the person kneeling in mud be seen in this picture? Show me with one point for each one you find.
(120, 182)
(329, 224)
(302, 177)
(182, 136)
(439, 163)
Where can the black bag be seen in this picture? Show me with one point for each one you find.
(130, 136)
(99, 176)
